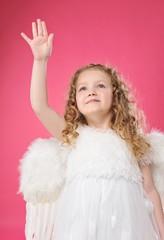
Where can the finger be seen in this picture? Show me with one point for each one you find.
(44, 28)
(50, 38)
(34, 31)
(40, 30)
(27, 39)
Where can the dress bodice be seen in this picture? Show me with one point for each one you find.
(101, 153)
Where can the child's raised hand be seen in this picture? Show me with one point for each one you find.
(41, 44)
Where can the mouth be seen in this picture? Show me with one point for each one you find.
(93, 100)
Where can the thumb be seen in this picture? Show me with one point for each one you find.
(27, 39)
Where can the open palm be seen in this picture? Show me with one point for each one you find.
(41, 44)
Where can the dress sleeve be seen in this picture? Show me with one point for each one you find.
(156, 159)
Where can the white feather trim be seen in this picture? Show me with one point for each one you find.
(156, 158)
(100, 153)
(42, 170)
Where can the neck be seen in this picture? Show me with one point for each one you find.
(99, 122)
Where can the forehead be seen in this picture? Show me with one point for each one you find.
(92, 75)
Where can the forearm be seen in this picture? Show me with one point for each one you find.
(158, 211)
(38, 89)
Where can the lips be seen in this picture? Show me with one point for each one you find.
(92, 100)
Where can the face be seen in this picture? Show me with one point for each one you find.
(94, 93)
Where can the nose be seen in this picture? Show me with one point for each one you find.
(92, 92)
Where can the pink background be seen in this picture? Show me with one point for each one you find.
(127, 34)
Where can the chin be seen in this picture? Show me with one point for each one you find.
(91, 113)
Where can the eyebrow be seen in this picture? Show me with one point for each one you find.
(83, 83)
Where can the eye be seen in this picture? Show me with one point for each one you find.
(82, 88)
(101, 85)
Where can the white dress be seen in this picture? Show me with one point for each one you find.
(102, 197)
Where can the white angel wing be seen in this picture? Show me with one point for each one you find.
(156, 139)
(42, 177)
(40, 220)
(43, 170)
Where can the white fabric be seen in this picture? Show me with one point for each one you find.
(102, 196)
(101, 153)
(96, 209)
(43, 170)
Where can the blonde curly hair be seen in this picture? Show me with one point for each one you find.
(127, 120)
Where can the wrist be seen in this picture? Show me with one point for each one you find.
(44, 60)
(40, 61)
(40, 64)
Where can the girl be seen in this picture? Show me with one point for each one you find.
(94, 180)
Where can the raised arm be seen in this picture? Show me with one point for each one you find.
(41, 46)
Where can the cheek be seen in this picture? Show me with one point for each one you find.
(108, 100)
(78, 101)
(76, 98)
(108, 96)
(79, 98)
